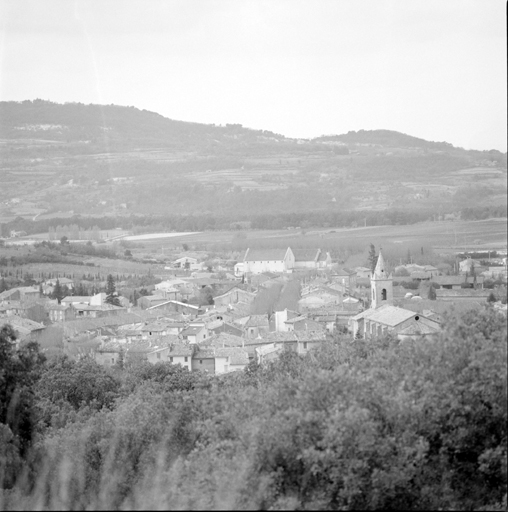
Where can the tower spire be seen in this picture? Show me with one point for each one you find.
(379, 271)
(381, 284)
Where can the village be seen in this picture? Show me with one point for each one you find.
(306, 299)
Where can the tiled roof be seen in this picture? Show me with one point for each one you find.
(23, 325)
(153, 298)
(111, 346)
(236, 355)
(88, 324)
(343, 272)
(191, 330)
(388, 315)
(295, 319)
(180, 350)
(157, 327)
(76, 298)
(99, 307)
(268, 349)
(265, 254)
(224, 339)
(310, 335)
(439, 306)
(306, 254)
(257, 321)
(205, 352)
(455, 280)
(470, 292)
(139, 346)
(167, 340)
(416, 328)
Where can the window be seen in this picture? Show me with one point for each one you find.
(383, 294)
(305, 345)
(186, 358)
(171, 359)
(201, 361)
(112, 360)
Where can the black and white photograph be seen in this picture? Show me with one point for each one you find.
(253, 255)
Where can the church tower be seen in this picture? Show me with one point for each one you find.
(381, 285)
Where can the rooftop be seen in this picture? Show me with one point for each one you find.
(388, 315)
(265, 254)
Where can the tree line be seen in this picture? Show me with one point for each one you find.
(210, 221)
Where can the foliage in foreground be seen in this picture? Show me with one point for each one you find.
(363, 425)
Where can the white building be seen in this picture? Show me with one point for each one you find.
(258, 261)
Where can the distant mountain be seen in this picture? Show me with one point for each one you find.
(62, 160)
(76, 122)
(385, 138)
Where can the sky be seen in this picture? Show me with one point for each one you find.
(434, 69)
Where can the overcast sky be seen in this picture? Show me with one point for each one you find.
(434, 69)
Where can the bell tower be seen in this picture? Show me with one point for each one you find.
(381, 285)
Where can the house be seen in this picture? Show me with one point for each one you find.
(457, 282)
(345, 277)
(237, 358)
(71, 300)
(363, 272)
(298, 341)
(26, 330)
(233, 296)
(319, 298)
(224, 340)
(207, 359)
(21, 293)
(257, 261)
(468, 265)
(109, 353)
(302, 323)
(185, 262)
(138, 351)
(60, 312)
(194, 334)
(254, 325)
(268, 352)
(12, 307)
(64, 281)
(219, 360)
(88, 310)
(154, 330)
(173, 352)
(328, 321)
(181, 354)
(221, 326)
(281, 317)
(462, 294)
(259, 280)
(309, 259)
(148, 301)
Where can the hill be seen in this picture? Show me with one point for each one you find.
(385, 138)
(112, 124)
(58, 161)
